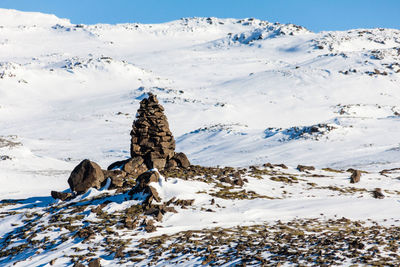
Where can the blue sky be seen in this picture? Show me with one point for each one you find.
(316, 15)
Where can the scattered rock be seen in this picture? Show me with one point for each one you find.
(120, 253)
(355, 176)
(130, 223)
(149, 226)
(238, 182)
(356, 244)
(377, 193)
(135, 166)
(268, 165)
(85, 233)
(184, 202)
(303, 168)
(226, 180)
(117, 178)
(86, 175)
(145, 179)
(61, 195)
(142, 186)
(5, 157)
(283, 166)
(118, 165)
(181, 160)
(153, 194)
(171, 164)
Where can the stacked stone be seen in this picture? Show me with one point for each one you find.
(151, 138)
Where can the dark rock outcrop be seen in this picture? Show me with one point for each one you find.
(84, 176)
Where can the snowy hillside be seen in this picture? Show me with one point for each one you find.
(237, 92)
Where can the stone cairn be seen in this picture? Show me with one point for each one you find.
(152, 146)
(151, 138)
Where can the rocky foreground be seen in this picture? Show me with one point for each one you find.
(201, 216)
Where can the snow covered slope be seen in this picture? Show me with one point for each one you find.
(236, 92)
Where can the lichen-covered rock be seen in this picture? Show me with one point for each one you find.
(84, 176)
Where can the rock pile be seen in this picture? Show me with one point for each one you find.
(151, 138)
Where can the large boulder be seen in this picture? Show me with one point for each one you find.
(181, 160)
(84, 176)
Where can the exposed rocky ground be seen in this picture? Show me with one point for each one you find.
(133, 226)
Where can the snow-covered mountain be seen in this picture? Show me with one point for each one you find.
(237, 92)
